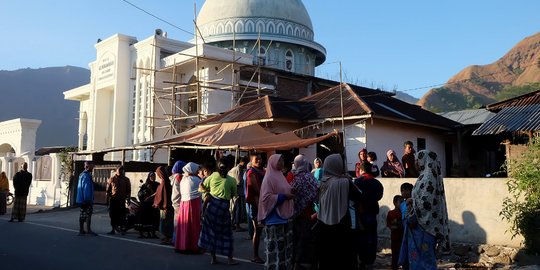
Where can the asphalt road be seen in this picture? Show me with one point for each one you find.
(49, 240)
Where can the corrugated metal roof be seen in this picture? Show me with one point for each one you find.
(510, 119)
(469, 117)
(523, 100)
(357, 101)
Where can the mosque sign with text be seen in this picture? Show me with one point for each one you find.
(105, 69)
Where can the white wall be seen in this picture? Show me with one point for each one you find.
(473, 206)
(382, 135)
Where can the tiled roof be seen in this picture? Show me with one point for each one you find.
(510, 119)
(523, 100)
(469, 117)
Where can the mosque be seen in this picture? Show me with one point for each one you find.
(153, 88)
(253, 62)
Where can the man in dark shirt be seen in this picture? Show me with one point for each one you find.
(118, 192)
(21, 183)
(408, 160)
(367, 211)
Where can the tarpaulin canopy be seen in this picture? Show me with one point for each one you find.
(245, 136)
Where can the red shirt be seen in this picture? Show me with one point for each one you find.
(394, 222)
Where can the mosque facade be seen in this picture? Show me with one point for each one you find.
(146, 90)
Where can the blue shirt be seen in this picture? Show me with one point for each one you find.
(85, 189)
(403, 209)
(273, 218)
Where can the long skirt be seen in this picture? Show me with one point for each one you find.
(166, 222)
(19, 208)
(334, 244)
(303, 240)
(279, 246)
(3, 202)
(188, 225)
(216, 234)
(418, 249)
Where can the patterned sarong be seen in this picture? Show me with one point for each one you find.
(19, 208)
(86, 212)
(216, 234)
(279, 246)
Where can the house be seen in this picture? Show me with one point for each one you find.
(516, 121)
(371, 119)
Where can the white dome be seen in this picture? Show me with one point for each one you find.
(287, 10)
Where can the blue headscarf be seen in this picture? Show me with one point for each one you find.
(177, 168)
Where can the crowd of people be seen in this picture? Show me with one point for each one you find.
(312, 216)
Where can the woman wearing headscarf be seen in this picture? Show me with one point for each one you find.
(149, 215)
(362, 157)
(276, 207)
(426, 218)
(163, 202)
(392, 167)
(333, 229)
(305, 190)
(216, 233)
(317, 171)
(188, 223)
(176, 178)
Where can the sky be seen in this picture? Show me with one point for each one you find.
(403, 45)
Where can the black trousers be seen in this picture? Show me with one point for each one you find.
(117, 211)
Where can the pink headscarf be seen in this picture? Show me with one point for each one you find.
(273, 184)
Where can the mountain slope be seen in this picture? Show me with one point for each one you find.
(37, 94)
(477, 85)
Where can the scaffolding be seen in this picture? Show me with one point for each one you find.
(178, 103)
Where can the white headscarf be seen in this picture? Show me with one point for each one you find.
(334, 191)
(429, 201)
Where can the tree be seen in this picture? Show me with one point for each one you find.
(522, 207)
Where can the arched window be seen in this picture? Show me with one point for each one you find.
(281, 29)
(229, 27)
(289, 60)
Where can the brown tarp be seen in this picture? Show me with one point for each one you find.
(239, 135)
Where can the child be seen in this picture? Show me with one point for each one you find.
(372, 158)
(395, 224)
(406, 192)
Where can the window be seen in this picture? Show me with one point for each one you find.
(420, 144)
(289, 60)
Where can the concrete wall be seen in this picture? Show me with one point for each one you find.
(473, 205)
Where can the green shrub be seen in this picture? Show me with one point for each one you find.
(522, 207)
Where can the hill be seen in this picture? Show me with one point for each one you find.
(405, 97)
(477, 85)
(37, 94)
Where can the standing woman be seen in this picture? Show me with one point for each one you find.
(333, 228)
(426, 219)
(276, 207)
(149, 215)
(305, 189)
(163, 202)
(4, 190)
(318, 171)
(216, 234)
(188, 224)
